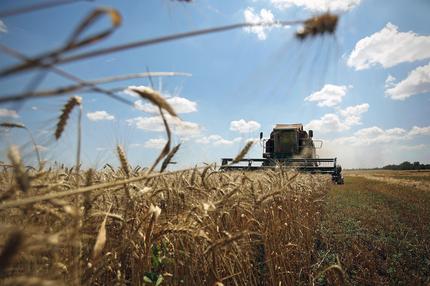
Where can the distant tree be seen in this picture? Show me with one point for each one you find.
(407, 166)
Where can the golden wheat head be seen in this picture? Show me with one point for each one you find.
(155, 98)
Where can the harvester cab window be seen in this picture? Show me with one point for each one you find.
(286, 143)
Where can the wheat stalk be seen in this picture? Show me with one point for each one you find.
(242, 152)
(123, 160)
(21, 176)
(65, 114)
(22, 126)
(169, 157)
(155, 98)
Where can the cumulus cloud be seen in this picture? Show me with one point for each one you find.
(417, 82)
(375, 147)
(330, 95)
(265, 16)
(318, 5)
(3, 27)
(243, 126)
(155, 123)
(352, 114)
(99, 116)
(416, 131)
(4, 112)
(388, 48)
(332, 122)
(376, 135)
(179, 104)
(217, 140)
(155, 143)
(327, 123)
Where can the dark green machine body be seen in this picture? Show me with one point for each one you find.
(289, 146)
(289, 141)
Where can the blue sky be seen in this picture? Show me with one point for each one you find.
(364, 91)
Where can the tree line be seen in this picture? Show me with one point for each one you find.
(407, 166)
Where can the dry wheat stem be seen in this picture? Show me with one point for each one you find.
(166, 148)
(67, 75)
(105, 186)
(37, 63)
(242, 152)
(173, 37)
(169, 157)
(74, 88)
(76, 40)
(21, 176)
(22, 126)
(38, 6)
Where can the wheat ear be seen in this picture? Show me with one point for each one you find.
(242, 152)
(65, 113)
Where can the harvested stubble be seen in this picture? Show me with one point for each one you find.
(187, 228)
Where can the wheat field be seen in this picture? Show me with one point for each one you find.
(191, 227)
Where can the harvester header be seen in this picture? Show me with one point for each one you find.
(290, 146)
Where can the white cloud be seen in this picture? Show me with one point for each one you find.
(376, 135)
(217, 140)
(4, 112)
(327, 123)
(265, 16)
(389, 82)
(179, 104)
(34, 108)
(415, 131)
(352, 114)
(417, 82)
(155, 143)
(3, 27)
(332, 122)
(243, 126)
(155, 123)
(388, 48)
(318, 5)
(369, 152)
(99, 115)
(330, 95)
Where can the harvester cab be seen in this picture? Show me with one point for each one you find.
(292, 147)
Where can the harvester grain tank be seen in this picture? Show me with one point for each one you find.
(292, 147)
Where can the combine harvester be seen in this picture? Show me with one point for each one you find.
(291, 147)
